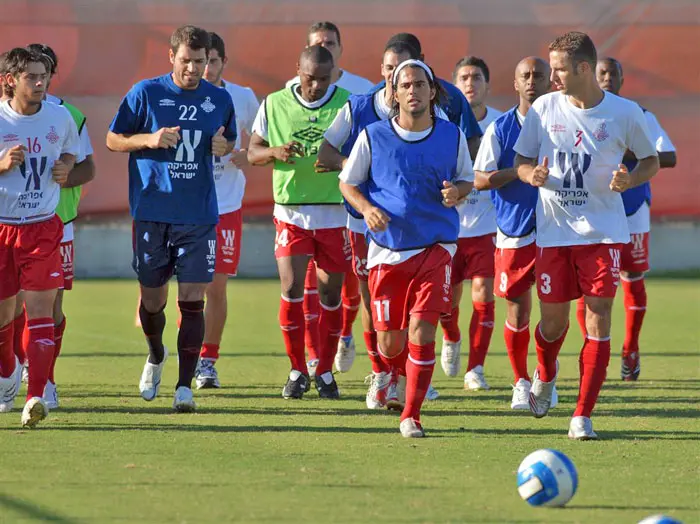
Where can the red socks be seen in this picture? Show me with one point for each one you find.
(19, 324)
(419, 373)
(58, 340)
(547, 353)
(375, 358)
(517, 343)
(40, 351)
(351, 303)
(291, 318)
(581, 316)
(7, 354)
(330, 322)
(635, 294)
(311, 312)
(593, 362)
(450, 325)
(210, 351)
(480, 331)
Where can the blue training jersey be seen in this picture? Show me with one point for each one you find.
(174, 185)
(635, 197)
(457, 108)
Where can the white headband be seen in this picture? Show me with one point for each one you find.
(412, 63)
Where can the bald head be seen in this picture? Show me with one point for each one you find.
(532, 79)
(314, 69)
(608, 73)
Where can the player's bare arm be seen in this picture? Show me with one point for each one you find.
(484, 180)
(62, 167)
(260, 153)
(667, 159)
(329, 159)
(375, 218)
(623, 180)
(82, 173)
(530, 172)
(164, 138)
(11, 158)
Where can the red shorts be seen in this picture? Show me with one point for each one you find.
(566, 273)
(635, 254)
(358, 242)
(67, 252)
(30, 257)
(228, 243)
(330, 248)
(515, 270)
(474, 258)
(421, 286)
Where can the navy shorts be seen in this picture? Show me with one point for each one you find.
(162, 250)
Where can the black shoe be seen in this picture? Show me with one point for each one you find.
(327, 390)
(296, 388)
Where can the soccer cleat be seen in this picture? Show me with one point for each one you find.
(206, 376)
(377, 394)
(297, 384)
(312, 365)
(326, 386)
(25, 372)
(432, 393)
(9, 387)
(411, 428)
(396, 398)
(50, 395)
(474, 380)
(345, 355)
(581, 428)
(35, 410)
(450, 357)
(541, 395)
(630, 367)
(555, 398)
(521, 394)
(150, 378)
(184, 400)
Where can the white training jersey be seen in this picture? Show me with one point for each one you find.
(229, 180)
(584, 147)
(309, 217)
(356, 172)
(354, 84)
(28, 193)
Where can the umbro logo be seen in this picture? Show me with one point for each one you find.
(558, 128)
(11, 137)
(308, 134)
(54, 275)
(166, 102)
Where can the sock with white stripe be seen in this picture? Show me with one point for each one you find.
(419, 374)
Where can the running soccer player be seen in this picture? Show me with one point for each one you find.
(414, 167)
(635, 254)
(230, 186)
(309, 216)
(515, 203)
(172, 126)
(581, 222)
(40, 145)
(474, 259)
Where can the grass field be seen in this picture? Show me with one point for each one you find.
(248, 455)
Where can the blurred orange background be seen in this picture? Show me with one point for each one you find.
(106, 46)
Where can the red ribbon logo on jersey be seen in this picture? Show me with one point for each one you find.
(52, 136)
(601, 134)
(579, 137)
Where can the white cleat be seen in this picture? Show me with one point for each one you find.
(35, 410)
(184, 400)
(450, 357)
(51, 395)
(432, 393)
(474, 380)
(411, 429)
(396, 396)
(206, 376)
(345, 356)
(555, 398)
(377, 393)
(541, 395)
(581, 428)
(9, 387)
(311, 365)
(521, 394)
(150, 378)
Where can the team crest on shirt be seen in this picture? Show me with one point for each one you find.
(601, 134)
(207, 106)
(52, 136)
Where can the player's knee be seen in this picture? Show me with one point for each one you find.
(391, 343)
(421, 332)
(631, 275)
(553, 327)
(599, 307)
(482, 290)
(518, 316)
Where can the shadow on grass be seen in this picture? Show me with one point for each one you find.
(30, 510)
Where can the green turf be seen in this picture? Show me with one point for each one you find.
(250, 456)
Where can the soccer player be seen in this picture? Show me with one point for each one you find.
(580, 217)
(515, 203)
(39, 150)
(415, 168)
(474, 259)
(635, 254)
(69, 199)
(339, 139)
(309, 216)
(230, 186)
(453, 102)
(327, 34)
(172, 126)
